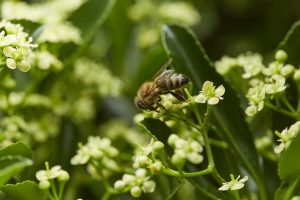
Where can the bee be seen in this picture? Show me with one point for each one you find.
(167, 81)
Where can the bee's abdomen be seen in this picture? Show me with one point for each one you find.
(174, 81)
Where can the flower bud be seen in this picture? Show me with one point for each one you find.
(128, 179)
(64, 176)
(178, 159)
(172, 139)
(11, 63)
(119, 185)
(297, 75)
(195, 158)
(140, 173)
(148, 186)
(44, 185)
(281, 56)
(135, 191)
(24, 65)
(158, 145)
(155, 167)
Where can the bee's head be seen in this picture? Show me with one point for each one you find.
(140, 103)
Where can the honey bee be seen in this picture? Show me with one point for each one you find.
(167, 81)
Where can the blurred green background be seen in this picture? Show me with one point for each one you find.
(128, 45)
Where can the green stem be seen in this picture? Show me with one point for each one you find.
(282, 111)
(171, 172)
(218, 143)
(287, 103)
(236, 194)
(61, 189)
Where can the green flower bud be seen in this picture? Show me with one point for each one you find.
(44, 185)
(158, 145)
(178, 159)
(119, 185)
(24, 65)
(281, 56)
(135, 191)
(64, 176)
(172, 139)
(148, 186)
(11, 63)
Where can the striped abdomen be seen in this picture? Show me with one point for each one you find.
(170, 81)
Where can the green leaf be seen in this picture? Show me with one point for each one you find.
(11, 165)
(27, 190)
(286, 189)
(227, 117)
(158, 130)
(13, 158)
(289, 164)
(291, 44)
(91, 15)
(15, 149)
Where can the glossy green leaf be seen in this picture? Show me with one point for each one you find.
(16, 149)
(27, 190)
(159, 130)
(291, 44)
(289, 163)
(227, 117)
(287, 188)
(13, 158)
(11, 165)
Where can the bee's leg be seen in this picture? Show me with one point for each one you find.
(179, 95)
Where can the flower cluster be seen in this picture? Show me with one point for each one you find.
(210, 93)
(286, 136)
(16, 46)
(50, 13)
(53, 180)
(142, 158)
(251, 64)
(264, 81)
(137, 183)
(143, 161)
(185, 150)
(234, 184)
(153, 16)
(98, 154)
(97, 77)
(46, 176)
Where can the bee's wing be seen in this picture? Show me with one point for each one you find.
(163, 70)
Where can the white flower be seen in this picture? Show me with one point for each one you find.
(224, 65)
(276, 84)
(234, 184)
(256, 96)
(286, 136)
(209, 94)
(54, 172)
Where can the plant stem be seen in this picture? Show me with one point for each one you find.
(172, 172)
(287, 103)
(293, 115)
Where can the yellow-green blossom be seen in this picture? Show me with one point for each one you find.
(210, 94)
(234, 184)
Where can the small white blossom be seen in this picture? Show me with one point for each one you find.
(234, 184)
(100, 150)
(210, 94)
(137, 183)
(275, 84)
(185, 150)
(286, 136)
(251, 63)
(224, 65)
(256, 96)
(55, 172)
